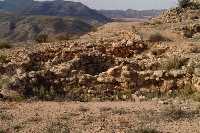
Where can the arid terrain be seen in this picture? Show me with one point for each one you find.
(124, 77)
(100, 117)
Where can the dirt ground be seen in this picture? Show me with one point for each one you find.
(153, 116)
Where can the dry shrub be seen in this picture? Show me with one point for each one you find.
(157, 37)
(3, 59)
(175, 112)
(5, 45)
(146, 130)
(42, 38)
(183, 3)
(174, 62)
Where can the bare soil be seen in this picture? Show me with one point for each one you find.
(173, 116)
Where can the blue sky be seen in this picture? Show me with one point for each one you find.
(129, 4)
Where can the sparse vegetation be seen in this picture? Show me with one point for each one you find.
(188, 3)
(42, 38)
(191, 31)
(120, 111)
(17, 127)
(184, 3)
(195, 96)
(174, 113)
(146, 130)
(4, 81)
(58, 127)
(3, 58)
(147, 116)
(157, 22)
(105, 109)
(2, 130)
(5, 45)
(157, 37)
(196, 38)
(4, 116)
(174, 62)
(65, 37)
(83, 109)
(188, 33)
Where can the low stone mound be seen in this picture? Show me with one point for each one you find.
(115, 68)
(178, 15)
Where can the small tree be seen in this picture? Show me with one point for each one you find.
(183, 3)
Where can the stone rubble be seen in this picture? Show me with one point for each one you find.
(117, 68)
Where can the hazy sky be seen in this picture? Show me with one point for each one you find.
(129, 4)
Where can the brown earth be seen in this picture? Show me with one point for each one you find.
(100, 117)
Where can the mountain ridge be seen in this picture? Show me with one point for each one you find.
(52, 8)
(130, 13)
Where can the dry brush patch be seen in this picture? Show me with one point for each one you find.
(5, 45)
(157, 37)
(57, 127)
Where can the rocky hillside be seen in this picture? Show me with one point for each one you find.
(143, 14)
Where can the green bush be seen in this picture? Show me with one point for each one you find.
(2, 131)
(3, 59)
(42, 38)
(4, 82)
(5, 45)
(184, 3)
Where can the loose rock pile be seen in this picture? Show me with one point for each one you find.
(107, 69)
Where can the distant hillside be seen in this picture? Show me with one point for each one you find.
(53, 8)
(22, 20)
(25, 28)
(143, 14)
(15, 5)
